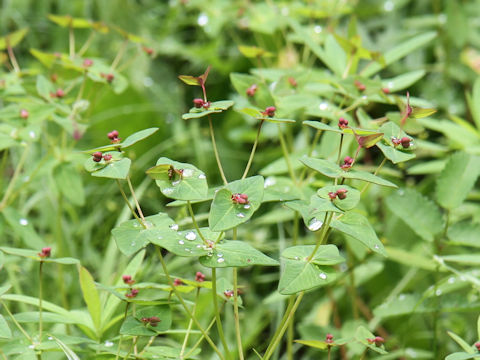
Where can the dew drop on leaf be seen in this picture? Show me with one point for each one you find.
(438, 292)
(174, 227)
(23, 222)
(167, 191)
(187, 173)
(202, 176)
(132, 243)
(247, 206)
(220, 255)
(314, 224)
(451, 280)
(181, 242)
(220, 260)
(322, 276)
(190, 236)
(241, 215)
(175, 183)
(108, 343)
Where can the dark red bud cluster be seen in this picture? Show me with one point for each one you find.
(107, 157)
(269, 111)
(97, 156)
(177, 282)
(127, 279)
(340, 193)
(360, 86)
(108, 77)
(228, 293)
(132, 293)
(252, 90)
(347, 163)
(404, 141)
(240, 198)
(153, 320)
(477, 345)
(292, 81)
(386, 90)
(24, 114)
(329, 338)
(377, 340)
(342, 123)
(148, 50)
(199, 277)
(58, 94)
(198, 103)
(87, 62)
(46, 252)
(113, 136)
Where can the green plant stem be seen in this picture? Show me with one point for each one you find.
(184, 305)
(365, 187)
(252, 153)
(135, 198)
(275, 341)
(324, 230)
(290, 339)
(17, 324)
(217, 313)
(329, 352)
(236, 314)
(71, 42)
(12, 57)
(40, 300)
(190, 323)
(14, 179)
(121, 336)
(339, 154)
(134, 342)
(86, 44)
(128, 203)
(215, 150)
(119, 55)
(200, 340)
(286, 154)
(351, 287)
(192, 215)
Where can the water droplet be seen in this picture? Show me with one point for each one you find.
(32, 134)
(318, 29)
(202, 176)
(220, 255)
(181, 242)
(147, 81)
(50, 338)
(314, 224)
(297, 258)
(108, 343)
(269, 181)
(202, 19)
(175, 183)
(187, 173)
(190, 236)
(188, 250)
(388, 5)
(451, 280)
(160, 237)
(220, 260)
(438, 292)
(241, 215)
(31, 346)
(132, 243)
(210, 253)
(463, 278)
(322, 276)
(401, 297)
(23, 222)
(376, 247)
(390, 84)
(199, 246)
(168, 191)
(247, 206)
(364, 97)
(323, 106)
(174, 227)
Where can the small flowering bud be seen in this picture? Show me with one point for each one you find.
(359, 85)
(405, 141)
(132, 293)
(199, 277)
(54, 77)
(148, 50)
(292, 81)
(145, 320)
(342, 193)
(177, 282)
(396, 141)
(252, 90)
(329, 338)
(24, 114)
(206, 104)
(108, 77)
(154, 320)
(97, 156)
(60, 93)
(477, 345)
(87, 62)
(107, 157)
(386, 90)
(348, 160)
(112, 135)
(46, 252)
(269, 111)
(77, 134)
(228, 293)
(240, 198)
(127, 279)
(379, 340)
(198, 103)
(342, 123)
(332, 195)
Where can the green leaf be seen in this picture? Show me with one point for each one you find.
(399, 52)
(69, 182)
(262, 97)
(463, 344)
(419, 113)
(12, 39)
(138, 136)
(362, 334)
(352, 199)
(215, 107)
(280, 189)
(411, 259)
(464, 233)
(116, 168)
(462, 356)
(44, 87)
(465, 259)
(33, 254)
(235, 254)
(189, 80)
(317, 344)
(350, 130)
(23, 228)
(180, 181)
(91, 297)
(417, 211)
(403, 81)
(395, 155)
(474, 103)
(254, 52)
(457, 179)
(66, 350)
(358, 227)
(130, 236)
(225, 214)
(134, 326)
(5, 331)
(332, 170)
(301, 274)
(186, 243)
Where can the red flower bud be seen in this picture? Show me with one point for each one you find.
(97, 156)
(252, 90)
(107, 157)
(60, 93)
(269, 111)
(292, 81)
(329, 338)
(332, 195)
(87, 62)
(127, 279)
(228, 293)
(396, 141)
(198, 103)
(405, 141)
(199, 277)
(477, 345)
(148, 50)
(46, 252)
(108, 77)
(24, 114)
(206, 104)
(386, 90)
(132, 293)
(240, 198)
(359, 85)
(177, 282)
(342, 123)
(342, 193)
